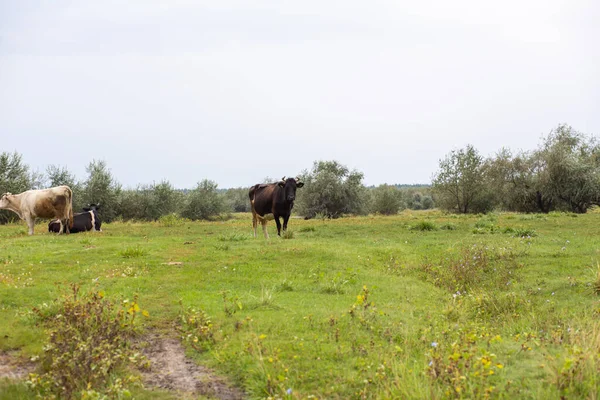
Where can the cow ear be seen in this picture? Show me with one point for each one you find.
(281, 183)
(299, 184)
(86, 209)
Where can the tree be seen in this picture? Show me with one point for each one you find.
(101, 188)
(331, 190)
(14, 178)
(387, 200)
(459, 182)
(204, 202)
(572, 162)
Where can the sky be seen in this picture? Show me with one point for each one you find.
(236, 91)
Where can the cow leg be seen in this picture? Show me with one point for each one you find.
(285, 221)
(254, 223)
(67, 230)
(278, 225)
(30, 223)
(264, 226)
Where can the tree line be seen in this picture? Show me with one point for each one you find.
(562, 174)
(331, 190)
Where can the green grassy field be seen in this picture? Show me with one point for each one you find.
(419, 305)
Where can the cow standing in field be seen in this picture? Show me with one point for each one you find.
(56, 202)
(82, 222)
(274, 198)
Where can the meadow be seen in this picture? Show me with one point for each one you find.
(420, 305)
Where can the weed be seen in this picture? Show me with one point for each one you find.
(88, 342)
(474, 266)
(265, 300)
(231, 304)
(307, 229)
(285, 286)
(424, 226)
(196, 328)
(233, 237)
(596, 278)
(524, 232)
(222, 246)
(448, 227)
(287, 234)
(132, 252)
(464, 369)
(335, 285)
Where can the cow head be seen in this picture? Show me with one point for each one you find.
(289, 186)
(5, 200)
(92, 207)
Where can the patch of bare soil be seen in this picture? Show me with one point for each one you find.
(12, 367)
(171, 370)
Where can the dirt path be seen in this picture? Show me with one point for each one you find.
(171, 370)
(12, 368)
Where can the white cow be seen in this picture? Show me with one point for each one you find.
(56, 202)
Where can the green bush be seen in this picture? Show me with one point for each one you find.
(90, 340)
(204, 202)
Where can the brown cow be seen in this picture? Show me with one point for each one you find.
(274, 198)
(56, 202)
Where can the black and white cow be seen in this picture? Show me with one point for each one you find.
(82, 222)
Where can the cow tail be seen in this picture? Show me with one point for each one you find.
(69, 195)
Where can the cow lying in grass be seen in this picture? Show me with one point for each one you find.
(56, 202)
(82, 222)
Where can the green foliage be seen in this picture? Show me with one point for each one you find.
(237, 199)
(132, 252)
(459, 182)
(332, 190)
(424, 226)
(204, 202)
(387, 200)
(465, 369)
(89, 343)
(150, 202)
(196, 328)
(475, 266)
(14, 178)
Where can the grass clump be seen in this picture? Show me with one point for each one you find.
(132, 252)
(89, 343)
(171, 219)
(448, 227)
(233, 237)
(424, 226)
(287, 234)
(524, 232)
(474, 266)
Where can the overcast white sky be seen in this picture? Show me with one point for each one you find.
(234, 91)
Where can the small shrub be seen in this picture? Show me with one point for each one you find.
(196, 328)
(89, 342)
(132, 252)
(287, 234)
(424, 226)
(231, 303)
(448, 227)
(464, 369)
(524, 232)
